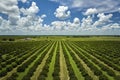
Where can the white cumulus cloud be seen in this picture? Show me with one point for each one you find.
(87, 23)
(76, 20)
(43, 16)
(30, 22)
(102, 19)
(66, 25)
(119, 9)
(4, 25)
(91, 11)
(10, 9)
(58, 25)
(31, 10)
(111, 26)
(24, 1)
(115, 26)
(62, 12)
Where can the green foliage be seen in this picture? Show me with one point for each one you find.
(99, 56)
(103, 77)
(3, 73)
(12, 77)
(117, 77)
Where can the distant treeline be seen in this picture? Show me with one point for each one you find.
(38, 36)
(8, 39)
(95, 36)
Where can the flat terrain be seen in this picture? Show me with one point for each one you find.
(59, 58)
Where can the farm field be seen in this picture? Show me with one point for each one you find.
(60, 58)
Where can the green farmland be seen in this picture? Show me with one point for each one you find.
(59, 58)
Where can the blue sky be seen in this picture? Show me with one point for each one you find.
(59, 17)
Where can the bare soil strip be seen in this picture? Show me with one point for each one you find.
(73, 64)
(40, 67)
(51, 68)
(15, 69)
(111, 78)
(85, 66)
(63, 68)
